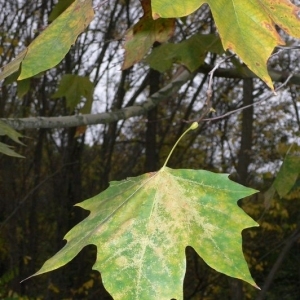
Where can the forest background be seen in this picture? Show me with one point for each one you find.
(63, 166)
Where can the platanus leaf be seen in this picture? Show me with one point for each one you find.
(245, 27)
(288, 173)
(13, 66)
(73, 88)
(14, 135)
(51, 46)
(286, 177)
(10, 132)
(7, 150)
(59, 8)
(190, 53)
(142, 225)
(141, 37)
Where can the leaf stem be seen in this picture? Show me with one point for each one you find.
(192, 127)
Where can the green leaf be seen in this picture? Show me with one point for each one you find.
(59, 8)
(6, 149)
(13, 66)
(14, 135)
(248, 28)
(10, 132)
(191, 52)
(51, 46)
(73, 88)
(142, 225)
(174, 8)
(288, 174)
(23, 87)
(141, 37)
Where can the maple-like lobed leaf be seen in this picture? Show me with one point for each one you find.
(248, 28)
(190, 53)
(142, 225)
(51, 46)
(73, 87)
(141, 37)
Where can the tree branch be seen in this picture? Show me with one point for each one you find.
(101, 118)
(243, 73)
(141, 109)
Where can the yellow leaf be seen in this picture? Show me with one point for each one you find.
(248, 28)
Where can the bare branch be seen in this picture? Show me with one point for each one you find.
(102, 118)
(208, 104)
(271, 94)
(152, 101)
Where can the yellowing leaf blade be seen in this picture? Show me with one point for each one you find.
(142, 225)
(13, 66)
(173, 9)
(141, 37)
(248, 28)
(50, 47)
(59, 8)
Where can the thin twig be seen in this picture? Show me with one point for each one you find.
(209, 91)
(285, 48)
(100, 4)
(247, 106)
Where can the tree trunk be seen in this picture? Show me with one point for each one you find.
(244, 159)
(151, 145)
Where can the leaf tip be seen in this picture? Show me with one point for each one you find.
(28, 277)
(155, 16)
(256, 286)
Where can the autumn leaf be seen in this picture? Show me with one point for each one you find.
(248, 28)
(142, 225)
(13, 66)
(141, 37)
(286, 177)
(59, 8)
(73, 88)
(51, 46)
(190, 53)
(6, 130)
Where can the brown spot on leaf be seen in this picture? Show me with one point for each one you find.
(268, 26)
(155, 16)
(230, 47)
(285, 29)
(297, 13)
(257, 64)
